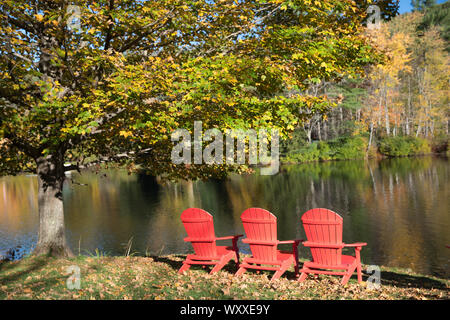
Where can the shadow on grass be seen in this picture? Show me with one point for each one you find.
(387, 277)
(174, 264)
(410, 281)
(230, 267)
(32, 265)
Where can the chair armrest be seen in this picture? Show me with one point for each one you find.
(296, 241)
(234, 240)
(261, 242)
(357, 244)
(295, 244)
(230, 237)
(322, 245)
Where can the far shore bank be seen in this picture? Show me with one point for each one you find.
(379, 157)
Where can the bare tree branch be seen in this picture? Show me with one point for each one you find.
(106, 159)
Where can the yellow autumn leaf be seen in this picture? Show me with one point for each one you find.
(125, 133)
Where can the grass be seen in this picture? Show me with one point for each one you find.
(133, 277)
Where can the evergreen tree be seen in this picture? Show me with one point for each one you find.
(438, 15)
(420, 5)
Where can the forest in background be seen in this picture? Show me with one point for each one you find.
(399, 108)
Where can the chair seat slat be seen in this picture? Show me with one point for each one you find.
(261, 242)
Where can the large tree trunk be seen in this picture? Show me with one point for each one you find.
(52, 238)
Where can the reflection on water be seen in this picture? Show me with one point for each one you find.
(400, 207)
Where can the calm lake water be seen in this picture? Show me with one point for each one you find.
(400, 207)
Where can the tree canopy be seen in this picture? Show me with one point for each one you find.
(90, 82)
(133, 71)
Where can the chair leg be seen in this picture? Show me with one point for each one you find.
(240, 271)
(358, 263)
(304, 273)
(237, 258)
(284, 266)
(296, 267)
(236, 251)
(303, 276)
(349, 274)
(184, 267)
(359, 271)
(221, 263)
(278, 274)
(217, 267)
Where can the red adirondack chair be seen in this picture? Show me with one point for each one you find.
(323, 230)
(200, 229)
(261, 229)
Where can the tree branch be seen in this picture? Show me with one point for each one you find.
(22, 145)
(106, 159)
(139, 37)
(109, 31)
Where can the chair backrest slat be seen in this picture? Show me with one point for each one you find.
(261, 225)
(324, 226)
(199, 225)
